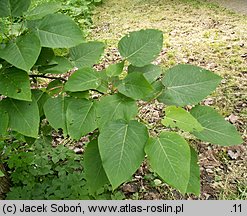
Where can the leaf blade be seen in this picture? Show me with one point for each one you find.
(135, 86)
(194, 182)
(23, 116)
(121, 147)
(4, 119)
(216, 129)
(58, 31)
(94, 171)
(81, 118)
(55, 112)
(86, 54)
(151, 72)
(23, 53)
(141, 47)
(15, 83)
(13, 8)
(115, 107)
(42, 10)
(82, 80)
(178, 117)
(166, 148)
(187, 85)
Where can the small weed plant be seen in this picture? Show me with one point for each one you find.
(118, 141)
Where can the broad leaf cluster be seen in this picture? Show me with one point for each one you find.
(120, 141)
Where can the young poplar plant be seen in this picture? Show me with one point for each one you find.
(119, 142)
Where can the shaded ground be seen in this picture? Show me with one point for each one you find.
(235, 5)
(202, 34)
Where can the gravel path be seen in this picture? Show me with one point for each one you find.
(235, 5)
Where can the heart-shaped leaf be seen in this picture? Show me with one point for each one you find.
(83, 79)
(94, 171)
(115, 69)
(187, 85)
(215, 129)
(58, 65)
(194, 182)
(81, 118)
(15, 83)
(13, 7)
(4, 119)
(140, 48)
(42, 10)
(114, 107)
(86, 54)
(135, 86)
(23, 116)
(151, 72)
(178, 117)
(55, 112)
(169, 156)
(22, 53)
(58, 31)
(121, 147)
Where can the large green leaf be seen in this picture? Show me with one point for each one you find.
(169, 156)
(121, 147)
(80, 95)
(135, 86)
(15, 83)
(22, 53)
(1, 174)
(86, 54)
(178, 117)
(81, 118)
(55, 87)
(45, 57)
(94, 171)
(194, 182)
(216, 129)
(151, 72)
(41, 97)
(83, 79)
(187, 85)
(55, 112)
(115, 69)
(104, 84)
(4, 121)
(157, 89)
(57, 65)
(42, 10)
(115, 107)
(23, 116)
(58, 31)
(141, 47)
(13, 7)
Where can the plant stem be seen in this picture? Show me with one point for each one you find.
(47, 77)
(20, 30)
(58, 78)
(11, 25)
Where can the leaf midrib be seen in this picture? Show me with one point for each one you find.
(122, 149)
(129, 56)
(189, 85)
(86, 115)
(21, 114)
(164, 151)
